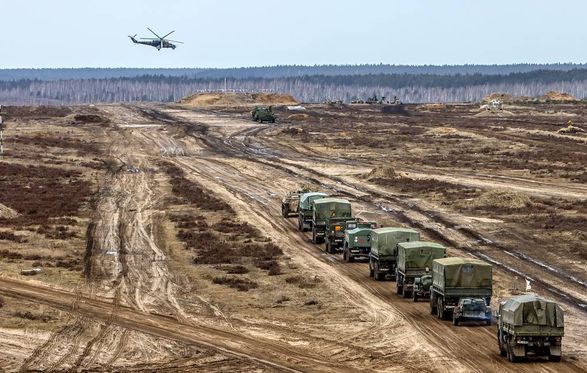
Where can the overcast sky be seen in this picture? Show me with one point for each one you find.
(231, 33)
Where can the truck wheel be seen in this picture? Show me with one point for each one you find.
(405, 292)
(502, 350)
(432, 305)
(371, 271)
(440, 310)
(554, 358)
(378, 275)
(510, 354)
(284, 211)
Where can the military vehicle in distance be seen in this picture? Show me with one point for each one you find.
(471, 309)
(290, 204)
(383, 253)
(456, 278)
(329, 213)
(357, 240)
(305, 209)
(527, 323)
(414, 260)
(263, 114)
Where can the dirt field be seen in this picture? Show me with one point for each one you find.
(162, 247)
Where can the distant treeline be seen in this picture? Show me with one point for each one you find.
(284, 71)
(423, 87)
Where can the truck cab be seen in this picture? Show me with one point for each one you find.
(357, 240)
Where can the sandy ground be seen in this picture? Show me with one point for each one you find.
(142, 301)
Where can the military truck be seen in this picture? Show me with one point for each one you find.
(456, 278)
(471, 309)
(305, 209)
(383, 253)
(290, 204)
(527, 323)
(414, 260)
(263, 114)
(357, 240)
(329, 213)
(334, 233)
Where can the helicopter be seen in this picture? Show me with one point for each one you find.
(158, 42)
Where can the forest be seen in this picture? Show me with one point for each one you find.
(315, 84)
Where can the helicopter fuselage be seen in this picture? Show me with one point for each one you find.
(154, 43)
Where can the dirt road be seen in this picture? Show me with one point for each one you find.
(143, 299)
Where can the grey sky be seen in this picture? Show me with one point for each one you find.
(76, 33)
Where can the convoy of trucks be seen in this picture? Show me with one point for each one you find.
(456, 288)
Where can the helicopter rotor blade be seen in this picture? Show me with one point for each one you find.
(149, 38)
(175, 41)
(154, 33)
(168, 34)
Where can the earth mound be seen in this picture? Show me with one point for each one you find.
(238, 99)
(558, 96)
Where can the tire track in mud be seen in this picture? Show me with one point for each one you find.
(122, 261)
(267, 353)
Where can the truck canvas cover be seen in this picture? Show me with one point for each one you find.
(326, 208)
(461, 273)
(418, 255)
(384, 240)
(307, 198)
(532, 310)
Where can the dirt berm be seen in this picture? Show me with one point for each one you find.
(238, 99)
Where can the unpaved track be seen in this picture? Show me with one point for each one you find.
(272, 354)
(473, 346)
(134, 292)
(482, 244)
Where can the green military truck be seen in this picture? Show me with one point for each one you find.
(263, 114)
(383, 253)
(527, 323)
(456, 278)
(414, 260)
(329, 214)
(357, 240)
(305, 209)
